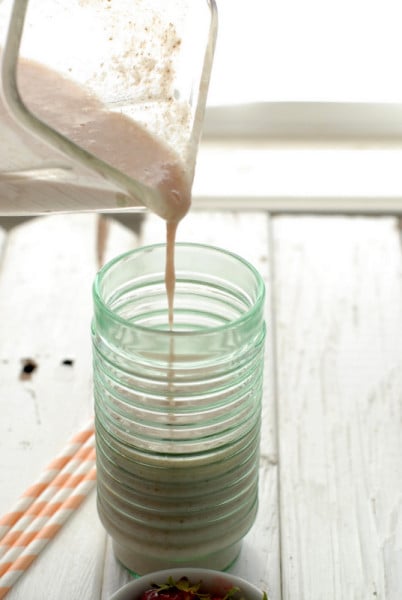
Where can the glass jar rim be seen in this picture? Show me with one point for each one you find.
(247, 315)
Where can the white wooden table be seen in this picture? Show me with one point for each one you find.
(330, 520)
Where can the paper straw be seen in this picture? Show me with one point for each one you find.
(45, 479)
(40, 523)
(46, 533)
(47, 502)
(46, 505)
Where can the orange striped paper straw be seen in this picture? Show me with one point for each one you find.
(40, 522)
(47, 502)
(46, 533)
(45, 479)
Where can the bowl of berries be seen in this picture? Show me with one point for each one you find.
(189, 584)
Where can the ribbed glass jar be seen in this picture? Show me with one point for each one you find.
(178, 411)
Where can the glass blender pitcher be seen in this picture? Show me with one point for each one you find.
(101, 102)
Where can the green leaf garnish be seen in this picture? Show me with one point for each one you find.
(184, 585)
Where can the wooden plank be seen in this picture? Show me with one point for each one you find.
(246, 234)
(338, 306)
(45, 305)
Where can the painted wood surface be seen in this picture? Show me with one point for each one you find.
(45, 282)
(338, 313)
(329, 525)
(48, 265)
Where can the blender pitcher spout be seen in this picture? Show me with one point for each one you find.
(102, 103)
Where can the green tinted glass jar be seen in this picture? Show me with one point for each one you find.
(178, 412)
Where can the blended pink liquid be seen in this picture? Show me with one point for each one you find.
(113, 137)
